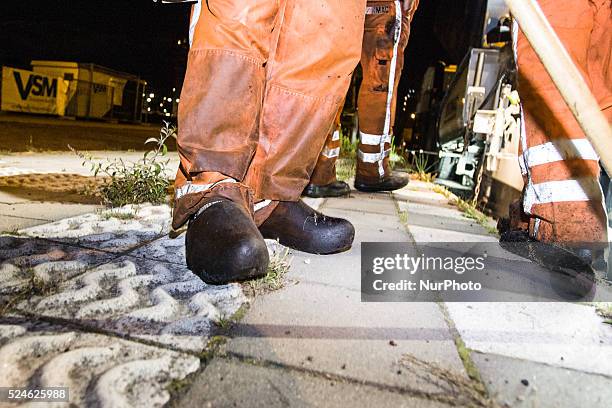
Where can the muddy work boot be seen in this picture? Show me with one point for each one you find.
(335, 189)
(296, 225)
(224, 245)
(390, 182)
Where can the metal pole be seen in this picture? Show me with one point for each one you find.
(565, 75)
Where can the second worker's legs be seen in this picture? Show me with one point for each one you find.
(387, 30)
(323, 182)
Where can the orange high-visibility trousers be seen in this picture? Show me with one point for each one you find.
(562, 200)
(387, 30)
(264, 81)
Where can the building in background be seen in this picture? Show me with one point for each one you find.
(86, 91)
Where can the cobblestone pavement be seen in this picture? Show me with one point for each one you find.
(103, 303)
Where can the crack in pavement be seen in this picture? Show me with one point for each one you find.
(453, 399)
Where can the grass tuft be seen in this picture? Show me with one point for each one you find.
(420, 168)
(604, 309)
(468, 209)
(280, 263)
(345, 169)
(457, 389)
(124, 216)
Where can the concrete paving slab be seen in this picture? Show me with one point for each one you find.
(418, 185)
(98, 370)
(232, 384)
(427, 234)
(344, 270)
(429, 210)
(421, 197)
(116, 230)
(11, 225)
(520, 383)
(152, 300)
(67, 162)
(320, 323)
(446, 224)
(10, 198)
(48, 211)
(559, 334)
(329, 329)
(364, 203)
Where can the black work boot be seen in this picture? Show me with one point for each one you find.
(388, 183)
(224, 245)
(296, 225)
(335, 189)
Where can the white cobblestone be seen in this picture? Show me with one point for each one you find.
(129, 297)
(105, 231)
(148, 293)
(98, 370)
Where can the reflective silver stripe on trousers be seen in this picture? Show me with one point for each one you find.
(336, 136)
(582, 189)
(190, 188)
(392, 69)
(536, 228)
(374, 140)
(261, 205)
(373, 157)
(559, 150)
(197, 10)
(331, 153)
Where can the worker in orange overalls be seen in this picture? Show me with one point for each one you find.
(562, 200)
(387, 29)
(264, 81)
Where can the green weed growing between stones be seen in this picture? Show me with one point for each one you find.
(143, 181)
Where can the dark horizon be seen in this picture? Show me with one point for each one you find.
(141, 37)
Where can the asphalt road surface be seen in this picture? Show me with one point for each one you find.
(23, 133)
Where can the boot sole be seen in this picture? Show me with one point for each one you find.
(330, 251)
(249, 274)
(331, 195)
(367, 189)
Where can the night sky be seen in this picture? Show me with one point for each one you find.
(135, 36)
(140, 37)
